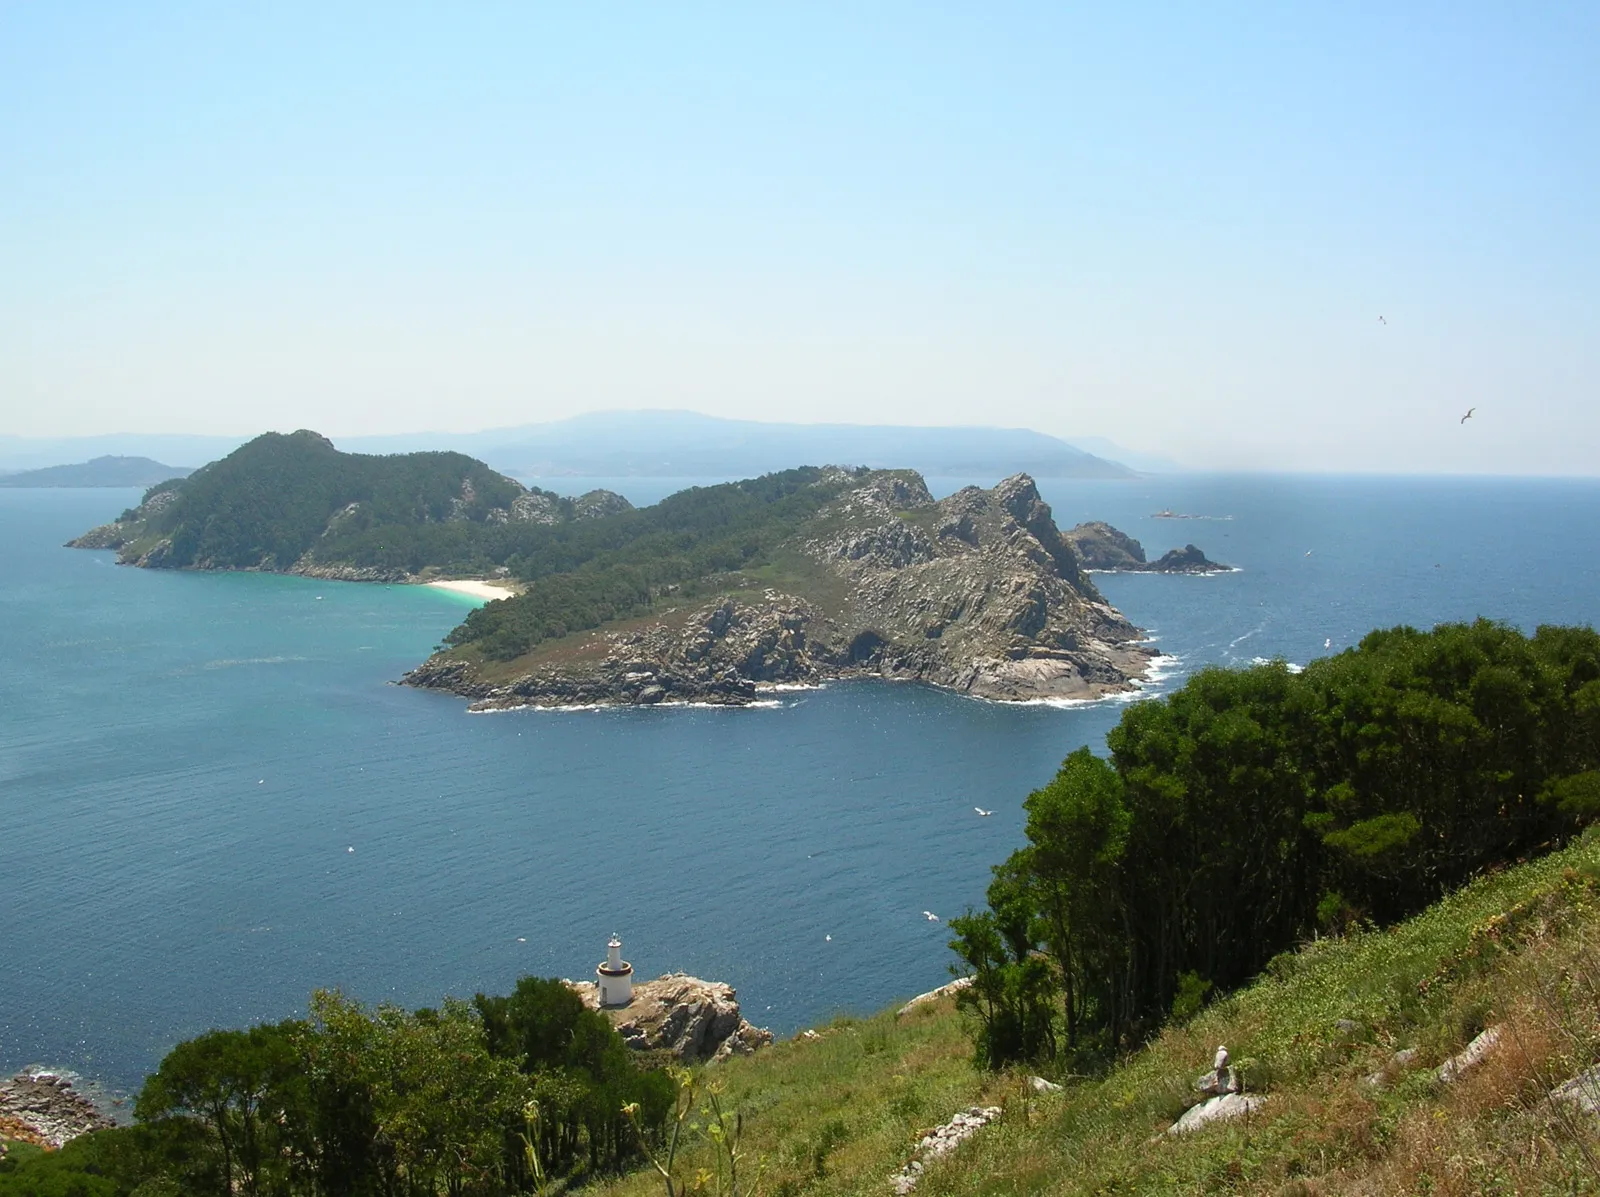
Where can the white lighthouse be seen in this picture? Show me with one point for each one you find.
(615, 976)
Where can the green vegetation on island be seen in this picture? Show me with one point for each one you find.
(294, 503)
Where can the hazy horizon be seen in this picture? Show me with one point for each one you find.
(1175, 231)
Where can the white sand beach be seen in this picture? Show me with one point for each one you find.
(488, 591)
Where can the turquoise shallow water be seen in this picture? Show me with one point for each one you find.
(187, 760)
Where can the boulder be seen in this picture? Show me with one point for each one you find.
(933, 995)
(1458, 1065)
(1582, 1091)
(1218, 1109)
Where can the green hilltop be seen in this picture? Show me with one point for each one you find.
(295, 504)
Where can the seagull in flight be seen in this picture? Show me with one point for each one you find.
(1468, 416)
(1328, 643)
(930, 916)
(983, 813)
(1381, 320)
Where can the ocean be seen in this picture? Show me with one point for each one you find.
(213, 800)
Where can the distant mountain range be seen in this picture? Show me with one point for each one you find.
(669, 444)
(102, 471)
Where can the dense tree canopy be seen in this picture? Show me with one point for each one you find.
(471, 1098)
(1253, 806)
(272, 499)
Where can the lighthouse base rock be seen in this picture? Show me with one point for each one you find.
(695, 1020)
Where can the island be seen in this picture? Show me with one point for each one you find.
(839, 573)
(717, 594)
(101, 471)
(295, 504)
(1104, 549)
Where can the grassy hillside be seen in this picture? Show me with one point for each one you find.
(841, 1113)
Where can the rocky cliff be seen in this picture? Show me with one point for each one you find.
(977, 593)
(1099, 546)
(695, 1020)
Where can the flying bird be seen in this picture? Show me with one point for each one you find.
(1381, 320)
(1328, 643)
(1468, 416)
(984, 813)
(930, 916)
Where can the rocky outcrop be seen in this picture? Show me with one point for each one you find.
(977, 593)
(1218, 1109)
(1222, 1097)
(348, 573)
(695, 1020)
(1469, 1057)
(1582, 1091)
(43, 1108)
(941, 1141)
(596, 504)
(1103, 548)
(934, 995)
(127, 526)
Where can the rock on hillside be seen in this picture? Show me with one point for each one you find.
(978, 593)
(695, 1020)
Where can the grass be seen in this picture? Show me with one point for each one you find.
(1519, 949)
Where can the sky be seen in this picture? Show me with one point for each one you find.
(1173, 225)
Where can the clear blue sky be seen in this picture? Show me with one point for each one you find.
(1174, 225)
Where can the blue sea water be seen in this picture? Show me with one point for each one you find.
(212, 800)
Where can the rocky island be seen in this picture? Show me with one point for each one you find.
(1102, 548)
(872, 577)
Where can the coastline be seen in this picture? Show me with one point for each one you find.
(489, 592)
